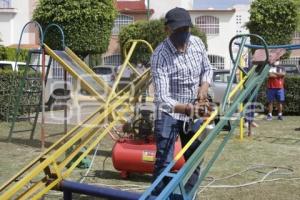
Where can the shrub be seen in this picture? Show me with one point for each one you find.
(11, 54)
(275, 21)
(87, 24)
(9, 85)
(152, 31)
(2, 53)
(292, 95)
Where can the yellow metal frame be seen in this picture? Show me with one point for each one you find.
(50, 163)
(127, 63)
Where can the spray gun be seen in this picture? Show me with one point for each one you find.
(201, 110)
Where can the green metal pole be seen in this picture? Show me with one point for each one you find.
(148, 9)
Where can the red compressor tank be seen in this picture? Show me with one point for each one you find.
(138, 156)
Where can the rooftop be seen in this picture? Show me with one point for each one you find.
(132, 6)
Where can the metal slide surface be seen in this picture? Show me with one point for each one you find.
(88, 77)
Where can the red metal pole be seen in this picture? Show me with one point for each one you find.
(43, 101)
(65, 106)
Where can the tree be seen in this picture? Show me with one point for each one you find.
(274, 20)
(152, 31)
(297, 3)
(87, 24)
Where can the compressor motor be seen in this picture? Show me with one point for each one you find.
(142, 125)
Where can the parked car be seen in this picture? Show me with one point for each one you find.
(220, 81)
(106, 72)
(10, 65)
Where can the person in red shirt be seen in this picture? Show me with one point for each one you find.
(275, 90)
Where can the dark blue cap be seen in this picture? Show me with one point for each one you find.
(177, 18)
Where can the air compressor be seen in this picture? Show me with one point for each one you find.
(135, 152)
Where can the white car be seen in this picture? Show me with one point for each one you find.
(106, 72)
(10, 65)
(218, 87)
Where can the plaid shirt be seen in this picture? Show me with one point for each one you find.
(177, 76)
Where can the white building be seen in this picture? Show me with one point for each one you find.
(160, 7)
(14, 14)
(220, 25)
(217, 24)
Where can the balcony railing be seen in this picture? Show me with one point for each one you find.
(5, 4)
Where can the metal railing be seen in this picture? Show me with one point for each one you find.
(58, 72)
(5, 4)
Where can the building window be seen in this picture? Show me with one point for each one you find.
(114, 60)
(120, 21)
(296, 38)
(208, 24)
(216, 61)
(5, 3)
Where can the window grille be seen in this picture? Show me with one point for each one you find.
(114, 60)
(208, 24)
(58, 72)
(216, 61)
(120, 21)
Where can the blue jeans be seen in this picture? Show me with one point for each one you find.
(166, 131)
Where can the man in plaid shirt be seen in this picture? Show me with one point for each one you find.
(181, 73)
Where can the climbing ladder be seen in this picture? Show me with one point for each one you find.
(27, 98)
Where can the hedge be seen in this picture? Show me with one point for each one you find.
(8, 53)
(9, 84)
(292, 95)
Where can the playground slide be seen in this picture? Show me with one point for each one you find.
(88, 79)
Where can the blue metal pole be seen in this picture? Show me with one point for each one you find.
(96, 191)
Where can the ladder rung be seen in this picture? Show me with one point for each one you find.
(33, 78)
(18, 131)
(23, 117)
(33, 51)
(33, 92)
(33, 105)
(36, 65)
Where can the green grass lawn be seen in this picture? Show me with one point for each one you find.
(275, 146)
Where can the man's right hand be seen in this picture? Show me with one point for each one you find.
(197, 110)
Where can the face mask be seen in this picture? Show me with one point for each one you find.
(179, 39)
